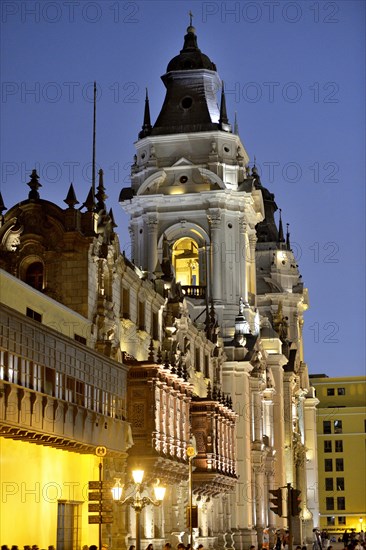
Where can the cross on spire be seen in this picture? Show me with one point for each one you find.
(190, 18)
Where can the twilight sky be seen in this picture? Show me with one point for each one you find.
(294, 72)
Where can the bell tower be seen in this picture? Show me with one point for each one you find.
(191, 193)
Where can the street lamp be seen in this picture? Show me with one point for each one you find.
(136, 501)
(361, 522)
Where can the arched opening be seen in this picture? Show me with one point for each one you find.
(188, 267)
(185, 262)
(34, 275)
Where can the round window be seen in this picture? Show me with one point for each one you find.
(186, 102)
(183, 179)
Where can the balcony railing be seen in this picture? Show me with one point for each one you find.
(192, 291)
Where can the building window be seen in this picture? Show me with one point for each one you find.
(330, 520)
(34, 275)
(141, 319)
(80, 339)
(198, 360)
(155, 326)
(338, 426)
(70, 388)
(341, 391)
(49, 381)
(37, 377)
(126, 303)
(339, 465)
(59, 385)
(9, 367)
(330, 391)
(329, 503)
(329, 484)
(34, 315)
(328, 465)
(79, 392)
(339, 446)
(207, 366)
(341, 503)
(340, 483)
(327, 427)
(327, 446)
(341, 520)
(25, 373)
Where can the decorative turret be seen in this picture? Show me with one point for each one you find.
(288, 245)
(146, 126)
(71, 199)
(34, 185)
(2, 209)
(101, 195)
(224, 121)
(192, 81)
(281, 238)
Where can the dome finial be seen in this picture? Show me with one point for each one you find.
(191, 29)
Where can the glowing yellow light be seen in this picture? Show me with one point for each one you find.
(117, 490)
(138, 475)
(159, 492)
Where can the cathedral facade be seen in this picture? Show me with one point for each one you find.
(195, 342)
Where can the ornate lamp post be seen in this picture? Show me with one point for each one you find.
(136, 501)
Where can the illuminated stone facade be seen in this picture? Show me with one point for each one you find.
(201, 345)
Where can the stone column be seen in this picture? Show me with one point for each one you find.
(255, 385)
(276, 362)
(312, 496)
(260, 498)
(235, 379)
(152, 250)
(243, 285)
(214, 217)
(134, 252)
(253, 280)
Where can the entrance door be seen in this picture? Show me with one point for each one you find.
(68, 526)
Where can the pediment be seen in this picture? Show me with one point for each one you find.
(183, 162)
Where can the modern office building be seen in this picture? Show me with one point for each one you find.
(341, 429)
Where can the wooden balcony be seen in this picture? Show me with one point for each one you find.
(214, 427)
(35, 417)
(163, 414)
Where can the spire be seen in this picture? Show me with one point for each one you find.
(2, 205)
(236, 127)
(71, 199)
(146, 126)
(89, 203)
(110, 213)
(34, 185)
(94, 133)
(2, 208)
(100, 196)
(281, 238)
(223, 121)
(288, 237)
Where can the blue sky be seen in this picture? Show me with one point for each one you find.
(294, 72)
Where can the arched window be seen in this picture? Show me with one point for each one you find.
(34, 275)
(185, 262)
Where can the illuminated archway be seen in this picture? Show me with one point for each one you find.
(186, 262)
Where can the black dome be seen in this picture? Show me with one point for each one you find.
(190, 56)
